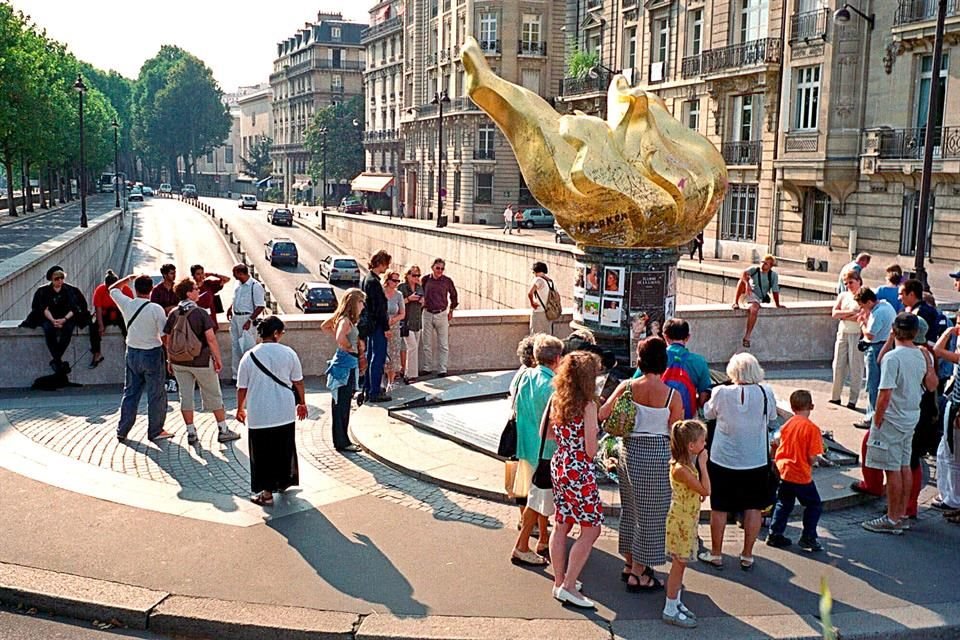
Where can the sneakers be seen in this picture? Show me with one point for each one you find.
(679, 619)
(192, 438)
(883, 524)
(163, 435)
(808, 544)
(171, 386)
(227, 436)
(778, 541)
(863, 424)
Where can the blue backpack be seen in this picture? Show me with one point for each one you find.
(677, 378)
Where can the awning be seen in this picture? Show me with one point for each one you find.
(374, 182)
(265, 183)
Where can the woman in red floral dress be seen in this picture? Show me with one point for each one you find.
(573, 418)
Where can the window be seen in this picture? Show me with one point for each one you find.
(335, 33)
(430, 192)
(594, 43)
(336, 82)
(753, 20)
(530, 79)
(909, 221)
(694, 32)
(488, 30)
(630, 59)
(816, 217)
(253, 119)
(530, 33)
(740, 213)
(336, 56)
(210, 156)
(456, 187)
(923, 97)
(691, 114)
(486, 139)
(743, 118)
(228, 154)
(661, 35)
(807, 103)
(484, 194)
(525, 197)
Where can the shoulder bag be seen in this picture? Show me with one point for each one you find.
(508, 437)
(773, 474)
(623, 418)
(541, 475)
(296, 396)
(135, 314)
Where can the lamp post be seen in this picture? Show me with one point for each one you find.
(439, 99)
(116, 163)
(81, 88)
(323, 132)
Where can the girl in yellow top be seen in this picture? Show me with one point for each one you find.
(688, 440)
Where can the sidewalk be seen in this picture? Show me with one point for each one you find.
(163, 536)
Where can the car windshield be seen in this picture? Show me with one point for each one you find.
(321, 293)
(281, 212)
(285, 247)
(344, 264)
(249, 198)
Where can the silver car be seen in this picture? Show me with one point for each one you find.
(340, 269)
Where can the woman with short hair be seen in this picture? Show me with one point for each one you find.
(739, 455)
(847, 357)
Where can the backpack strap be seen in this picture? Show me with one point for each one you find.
(666, 405)
(261, 366)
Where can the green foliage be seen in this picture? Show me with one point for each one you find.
(273, 194)
(345, 150)
(580, 62)
(259, 164)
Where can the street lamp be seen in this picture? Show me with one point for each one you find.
(322, 132)
(81, 88)
(842, 15)
(439, 99)
(116, 163)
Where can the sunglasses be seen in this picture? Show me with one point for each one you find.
(393, 279)
(58, 277)
(439, 268)
(414, 275)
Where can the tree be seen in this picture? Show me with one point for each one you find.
(259, 164)
(345, 159)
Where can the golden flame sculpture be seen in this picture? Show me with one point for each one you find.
(637, 179)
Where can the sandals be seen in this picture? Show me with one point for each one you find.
(259, 499)
(544, 552)
(714, 561)
(95, 363)
(746, 562)
(745, 343)
(652, 585)
(626, 573)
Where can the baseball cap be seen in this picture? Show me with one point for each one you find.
(956, 274)
(906, 321)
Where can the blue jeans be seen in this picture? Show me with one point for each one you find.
(873, 378)
(376, 358)
(809, 497)
(145, 372)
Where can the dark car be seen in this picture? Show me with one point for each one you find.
(280, 216)
(315, 297)
(561, 236)
(281, 251)
(535, 217)
(351, 205)
(189, 192)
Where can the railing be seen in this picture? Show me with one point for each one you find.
(379, 29)
(344, 65)
(387, 135)
(802, 142)
(445, 56)
(526, 48)
(907, 144)
(430, 59)
(909, 11)
(690, 66)
(594, 4)
(462, 104)
(809, 24)
(763, 51)
(490, 46)
(484, 154)
(742, 153)
(586, 84)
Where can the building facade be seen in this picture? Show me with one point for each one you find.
(320, 65)
(523, 42)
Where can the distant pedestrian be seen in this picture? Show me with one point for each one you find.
(270, 398)
(539, 293)
(891, 291)
(696, 246)
(508, 219)
(209, 285)
(572, 422)
(847, 357)
(396, 312)
(198, 365)
(756, 286)
(858, 265)
(249, 302)
(59, 309)
(106, 314)
(145, 359)
(439, 301)
(374, 324)
(690, 484)
(800, 444)
(412, 325)
(343, 369)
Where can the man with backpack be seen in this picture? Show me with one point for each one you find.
(756, 286)
(193, 357)
(144, 358)
(544, 301)
(687, 373)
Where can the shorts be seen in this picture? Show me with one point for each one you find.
(748, 299)
(734, 490)
(204, 377)
(888, 448)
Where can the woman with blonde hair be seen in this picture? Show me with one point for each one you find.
(343, 368)
(396, 312)
(847, 358)
(572, 421)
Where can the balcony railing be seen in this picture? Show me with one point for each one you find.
(484, 154)
(526, 48)
(490, 46)
(907, 144)
(586, 84)
(388, 135)
(345, 65)
(809, 25)
(742, 153)
(430, 59)
(909, 11)
(690, 67)
(462, 104)
(380, 29)
(763, 51)
(594, 4)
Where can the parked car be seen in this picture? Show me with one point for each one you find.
(340, 269)
(248, 202)
(315, 297)
(280, 216)
(135, 195)
(166, 188)
(147, 191)
(189, 192)
(350, 204)
(535, 217)
(281, 251)
(561, 236)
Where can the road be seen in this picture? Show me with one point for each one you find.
(22, 235)
(253, 230)
(17, 626)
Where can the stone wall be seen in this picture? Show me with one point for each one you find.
(83, 254)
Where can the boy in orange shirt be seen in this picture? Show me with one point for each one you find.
(800, 444)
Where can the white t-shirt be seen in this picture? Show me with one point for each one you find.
(740, 440)
(507, 215)
(147, 327)
(269, 404)
(541, 294)
(902, 370)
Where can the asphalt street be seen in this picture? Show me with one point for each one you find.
(21, 626)
(25, 234)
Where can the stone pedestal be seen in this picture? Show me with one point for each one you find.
(625, 295)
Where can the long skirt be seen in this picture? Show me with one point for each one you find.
(644, 474)
(273, 459)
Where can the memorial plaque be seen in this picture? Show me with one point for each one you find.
(477, 425)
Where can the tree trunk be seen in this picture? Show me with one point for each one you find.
(8, 168)
(40, 183)
(26, 189)
(62, 193)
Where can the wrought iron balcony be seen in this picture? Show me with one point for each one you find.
(343, 65)
(387, 135)
(526, 48)
(690, 66)
(462, 104)
(742, 153)
(907, 144)
(735, 56)
(809, 25)
(594, 4)
(430, 59)
(380, 29)
(586, 84)
(490, 46)
(909, 11)
(484, 154)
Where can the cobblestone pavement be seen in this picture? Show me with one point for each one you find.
(21, 235)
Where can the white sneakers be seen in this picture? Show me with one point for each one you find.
(575, 599)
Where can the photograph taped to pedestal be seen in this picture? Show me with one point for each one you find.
(592, 275)
(669, 307)
(591, 308)
(580, 270)
(613, 281)
(577, 307)
(671, 283)
(610, 316)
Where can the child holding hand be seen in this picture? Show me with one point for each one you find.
(688, 441)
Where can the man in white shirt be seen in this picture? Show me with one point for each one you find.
(508, 219)
(537, 295)
(145, 366)
(248, 303)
